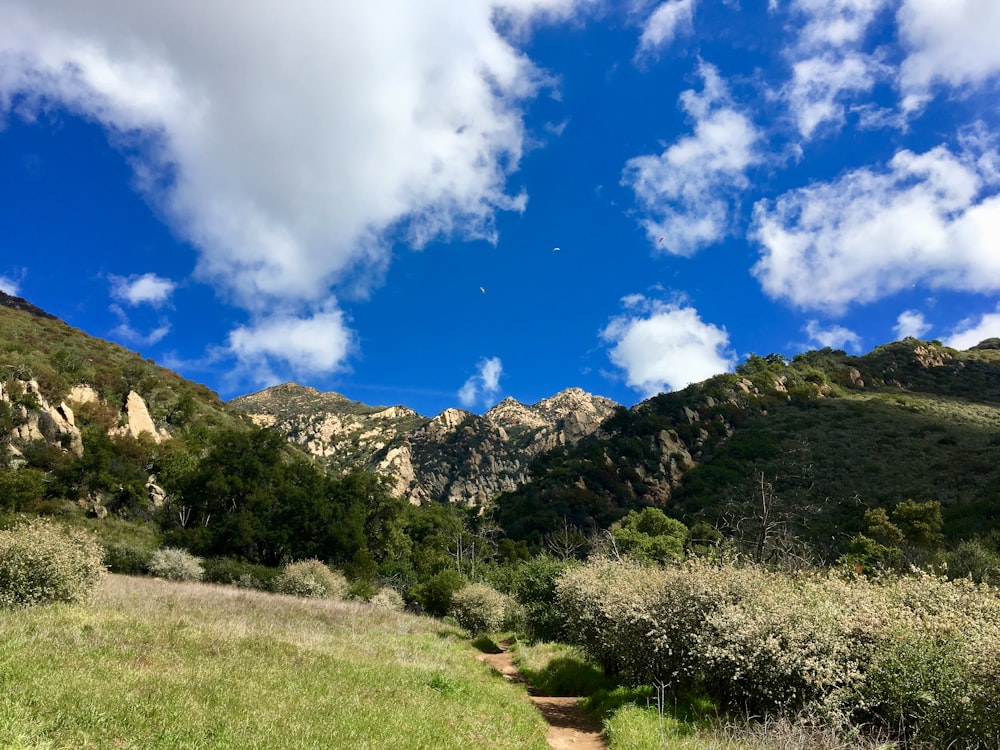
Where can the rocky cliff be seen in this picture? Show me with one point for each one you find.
(456, 457)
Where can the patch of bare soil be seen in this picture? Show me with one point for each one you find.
(570, 727)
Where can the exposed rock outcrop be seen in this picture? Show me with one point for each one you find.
(457, 456)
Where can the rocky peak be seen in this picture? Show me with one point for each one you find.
(510, 414)
(456, 457)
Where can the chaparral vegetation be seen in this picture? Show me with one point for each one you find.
(779, 557)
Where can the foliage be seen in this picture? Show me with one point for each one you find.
(387, 598)
(41, 562)
(434, 594)
(918, 656)
(311, 579)
(650, 536)
(532, 583)
(176, 565)
(480, 608)
(234, 572)
(128, 558)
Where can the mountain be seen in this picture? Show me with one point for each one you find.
(804, 445)
(455, 457)
(810, 442)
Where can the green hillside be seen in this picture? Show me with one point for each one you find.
(823, 437)
(38, 346)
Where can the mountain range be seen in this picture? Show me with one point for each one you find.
(816, 440)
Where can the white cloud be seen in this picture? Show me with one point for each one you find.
(829, 67)
(927, 218)
(128, 334)
(148, 289)
(312, 345)
(688, 191)
(9, 286)
(666, 346)
(484, 386)
(971, 332)
(834, 337)
(288, 146)
(664, 23)
(948, 41)
(911, 324)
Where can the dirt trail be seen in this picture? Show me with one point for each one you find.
(570, 727)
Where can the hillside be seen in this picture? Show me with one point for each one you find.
(817, 439)
(87, 421)
(810, 443)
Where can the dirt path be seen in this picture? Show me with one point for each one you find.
(570, 727)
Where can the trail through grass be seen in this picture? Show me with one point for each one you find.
(152, 664)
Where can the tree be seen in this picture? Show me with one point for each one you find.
(650, 535)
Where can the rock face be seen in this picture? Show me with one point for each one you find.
(456, 457)
(36, 419)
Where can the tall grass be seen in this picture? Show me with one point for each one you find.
(158, 664)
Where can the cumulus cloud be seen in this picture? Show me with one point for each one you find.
(971, 331)
(664, 23)
(948, 41)
(829, 64)
(928, 218)
(314, 344)
(290, 170)
(688, 191)
(834, 336)
(484, 386)
(148, 289)
(911, 324)
(665, 346)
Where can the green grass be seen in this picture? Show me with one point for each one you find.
(558, 669)
(153, 664)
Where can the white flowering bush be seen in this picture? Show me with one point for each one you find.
(919, 656)
(934, 666)
(610, 609)
(311, 579)
(175, 565)
(480, 608)
(42, 562)
(387, 599)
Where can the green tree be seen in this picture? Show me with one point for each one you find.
(650, 536)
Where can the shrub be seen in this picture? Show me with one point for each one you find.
(41, 562)
(434, 595)
(234, 572)
(387, 599)
(917, 656)
(176, 565)
(482, 609)
(311, 579)
(127, 558)
(533, 584)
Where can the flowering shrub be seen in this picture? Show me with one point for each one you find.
(175, 565)
(311, 579)
(41, 562)
(482, 609)
(387, 599)
(918, 655)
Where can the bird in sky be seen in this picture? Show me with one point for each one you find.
(661, 239)
(482, 289)
(555, 249)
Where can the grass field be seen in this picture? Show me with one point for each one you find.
(152, 664)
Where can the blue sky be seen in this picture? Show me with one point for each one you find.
(447, 203)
